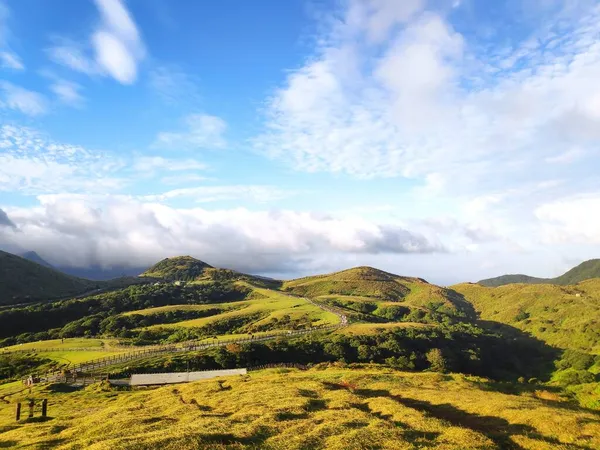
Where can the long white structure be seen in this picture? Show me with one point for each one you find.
(181, 377)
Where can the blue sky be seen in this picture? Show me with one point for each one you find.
(448, 139)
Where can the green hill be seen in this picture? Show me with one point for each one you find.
(372, 295)
(181, 268)
(189, 269)
(22, 281)
(584, 271)
(563, 316)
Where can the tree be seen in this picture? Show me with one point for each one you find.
(437, 362)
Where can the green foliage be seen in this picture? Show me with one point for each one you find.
(17, 365)
(572, 377)
(573, 359)
(437, 362)
(86, 317)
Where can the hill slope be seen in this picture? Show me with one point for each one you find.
(22, 281)
(584, 271)
(563, 316)
(367, 294)
(334, 408)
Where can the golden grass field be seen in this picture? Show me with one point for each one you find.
(334, 408)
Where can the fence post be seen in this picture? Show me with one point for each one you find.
(45, 407)
(18, 411)
(31, 405)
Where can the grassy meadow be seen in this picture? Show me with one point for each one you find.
(332, 408)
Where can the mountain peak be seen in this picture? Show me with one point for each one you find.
(34, 257)
(184, 268)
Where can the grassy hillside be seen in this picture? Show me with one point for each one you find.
(24, 281)
(264, 310)
(359, 281)
(584, 271)
(563, 316)
(181, 268)
(371, 295)
(285, 409)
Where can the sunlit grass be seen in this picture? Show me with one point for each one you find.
(318, 409)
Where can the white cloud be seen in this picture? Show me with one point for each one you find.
(154, 163)
(116, 44)
(82, 230)
(28, 102)
(67, 92)
(69, 54)
(205, 194)
(183, 179)
(10, 60)
(426, 103)
(572, 220)
(566, 157)
(202, 131)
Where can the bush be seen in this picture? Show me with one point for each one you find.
(571, 377)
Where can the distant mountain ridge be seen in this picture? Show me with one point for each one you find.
(584, 271)
(34, 257)
(22, 280)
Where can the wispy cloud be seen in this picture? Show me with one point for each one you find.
(201, 131)
(173, 85)
(154, 163)
(116, 44)
(20, 99)
(205, 194)
(67, 92)
(10, 60)
(31, 164)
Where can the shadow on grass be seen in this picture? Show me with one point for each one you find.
(254, 440)
(288, 415)
(63, 388)
(497, 429)
(8, 444)
(314, 404)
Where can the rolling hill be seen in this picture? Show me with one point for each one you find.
(562, 316)
(22, 280)
(371, 295)
(584, 271)
(189, 269)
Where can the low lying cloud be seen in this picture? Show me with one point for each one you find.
(80, 231)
